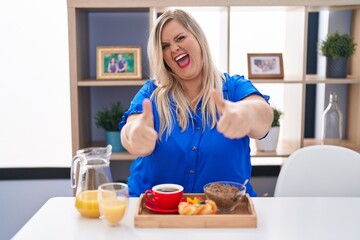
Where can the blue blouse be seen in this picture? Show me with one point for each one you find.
(194, 157)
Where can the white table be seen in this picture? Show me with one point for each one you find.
(278, 218)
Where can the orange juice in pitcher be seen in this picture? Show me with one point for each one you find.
(87, 204)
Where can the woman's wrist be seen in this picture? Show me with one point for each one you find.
(125, 133)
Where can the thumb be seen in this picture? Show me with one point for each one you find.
(147, 109)
(219, 102)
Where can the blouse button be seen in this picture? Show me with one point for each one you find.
(198, 128)
(193, 148)
(192, 171)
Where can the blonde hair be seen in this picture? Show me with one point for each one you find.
(167, 82)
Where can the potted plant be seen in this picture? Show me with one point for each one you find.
(337, 49)
(108, 119)
(269, 143)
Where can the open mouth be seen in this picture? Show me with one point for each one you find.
(183, 60)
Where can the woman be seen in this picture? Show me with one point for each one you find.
(191, 124)
(112, 66)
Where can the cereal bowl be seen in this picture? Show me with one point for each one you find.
(227, 195)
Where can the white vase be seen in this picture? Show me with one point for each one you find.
(269, 143)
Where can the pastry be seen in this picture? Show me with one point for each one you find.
(196, 206)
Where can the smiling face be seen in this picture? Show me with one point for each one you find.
(181, 51)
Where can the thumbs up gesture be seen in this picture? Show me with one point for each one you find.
(139, 133)
(234, 119)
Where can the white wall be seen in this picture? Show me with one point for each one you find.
(213, 21)
(34, 84)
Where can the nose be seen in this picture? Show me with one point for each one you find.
(174, 48)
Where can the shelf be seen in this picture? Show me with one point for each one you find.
(155, 3)
(122, 156)
(316, 79)
(333, 8)
(281, 81)
(312, 79)
(284, 149)
(93, 82)
(344, 143)
(269, 160)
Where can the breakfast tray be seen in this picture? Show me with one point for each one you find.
(244, 216)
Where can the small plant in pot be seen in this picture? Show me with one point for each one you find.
(269, 143)
(108, 119)
(337, 49)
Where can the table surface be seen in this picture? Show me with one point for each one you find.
(277, 218)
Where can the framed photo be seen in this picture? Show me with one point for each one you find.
(118, 62)
(265, 65)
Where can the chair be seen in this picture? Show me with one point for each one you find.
(320, 171)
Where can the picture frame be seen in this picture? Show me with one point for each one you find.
(265, 65)
(118, 63)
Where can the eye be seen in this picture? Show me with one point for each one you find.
(164, 46)
(180, 38)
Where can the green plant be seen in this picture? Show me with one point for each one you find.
(277, 114)
(109, 118)
(336, 46)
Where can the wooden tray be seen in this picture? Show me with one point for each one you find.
(243, 216)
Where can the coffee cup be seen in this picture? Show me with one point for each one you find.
(165, 196)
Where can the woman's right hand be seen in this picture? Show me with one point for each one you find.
(138, 135)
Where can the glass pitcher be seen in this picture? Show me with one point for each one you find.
(92, 168)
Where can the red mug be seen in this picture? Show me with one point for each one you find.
(165, 196)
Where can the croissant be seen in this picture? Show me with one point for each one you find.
(208, 207)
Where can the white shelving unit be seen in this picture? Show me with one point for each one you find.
(294, 83)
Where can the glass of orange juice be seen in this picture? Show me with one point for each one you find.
(113, 201)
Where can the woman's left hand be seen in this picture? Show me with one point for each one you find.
(234, 119)
(252, 116)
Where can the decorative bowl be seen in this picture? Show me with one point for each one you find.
(227, 195)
